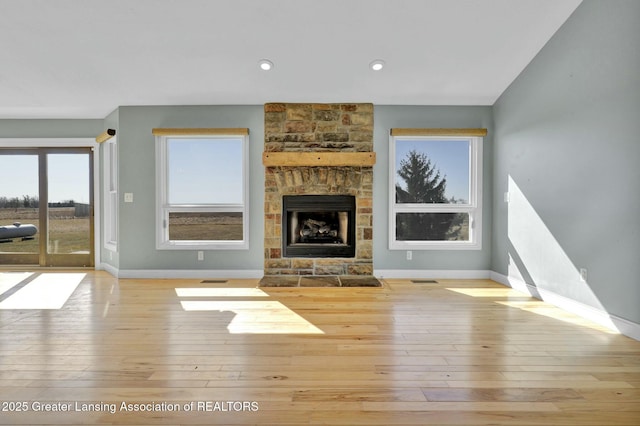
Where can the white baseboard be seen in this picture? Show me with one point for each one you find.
(432, 274)
(185, 273)
(598, 316)
(109, 268)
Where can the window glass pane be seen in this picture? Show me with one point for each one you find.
(112, 218)
(204, 226)
(19, 203)
(113, 173)
(69, 204)
(205, 171)
(432, 171)
(432, 226)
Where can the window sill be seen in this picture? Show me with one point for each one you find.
(434, 245)
(203, 245)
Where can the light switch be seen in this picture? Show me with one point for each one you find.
(128, 197)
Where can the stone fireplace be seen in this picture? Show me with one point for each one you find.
(318, 190)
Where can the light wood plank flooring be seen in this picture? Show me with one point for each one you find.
(453, 352)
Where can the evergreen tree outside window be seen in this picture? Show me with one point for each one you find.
(435, 186)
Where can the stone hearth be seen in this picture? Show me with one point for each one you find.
(321, 129)
(319, 281)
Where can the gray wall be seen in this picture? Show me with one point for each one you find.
(136, 152)
(567, 150)
(387, 117)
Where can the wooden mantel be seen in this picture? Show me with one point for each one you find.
(303, 159)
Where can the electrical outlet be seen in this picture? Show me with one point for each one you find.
(583, 275)
(200, 255)
(128, 197)
(409, 255)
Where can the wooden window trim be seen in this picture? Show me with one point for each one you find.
(199, 131)
(438, 132)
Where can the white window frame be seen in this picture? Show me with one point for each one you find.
(110, 172)
(473, 208)
(163, 207)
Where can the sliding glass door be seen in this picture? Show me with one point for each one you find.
(46, 207)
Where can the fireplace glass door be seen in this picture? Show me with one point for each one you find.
(318, 226)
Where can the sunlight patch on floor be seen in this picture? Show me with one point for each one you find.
(489, 292)
(256, 317)
(46, 291)
(549, 311)
(8, 280)
(531, 305)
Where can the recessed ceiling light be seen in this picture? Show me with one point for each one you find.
(265, 64)
(377, 65)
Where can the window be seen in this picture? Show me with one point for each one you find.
(435, 189)
(110, 194)
(202, 192)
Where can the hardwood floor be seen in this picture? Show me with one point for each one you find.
(454, 352)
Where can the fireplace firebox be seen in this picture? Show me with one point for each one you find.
(318, 226)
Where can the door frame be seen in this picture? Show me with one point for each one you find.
(26, 143)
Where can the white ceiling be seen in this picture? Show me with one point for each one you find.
(84, 58)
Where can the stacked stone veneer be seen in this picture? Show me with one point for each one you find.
(318, 128)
